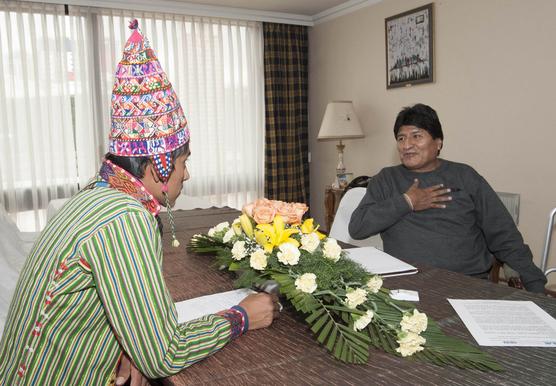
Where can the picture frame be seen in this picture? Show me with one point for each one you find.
(409, 47)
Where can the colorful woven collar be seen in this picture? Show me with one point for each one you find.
(120, 179)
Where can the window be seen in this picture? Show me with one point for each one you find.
(57, 75)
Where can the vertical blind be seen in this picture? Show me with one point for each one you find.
(56, 73)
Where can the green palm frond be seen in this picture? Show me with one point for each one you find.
(343, 342)
(332, 322)
(450, 350)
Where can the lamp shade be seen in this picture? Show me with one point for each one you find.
(340, 122)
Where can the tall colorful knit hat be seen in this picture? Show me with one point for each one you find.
(147, 118)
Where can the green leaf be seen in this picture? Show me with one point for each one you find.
(315, 315)
(338, 350)
(339, 308)
(332, 338)
(325, 332)
(317, 326)
(234, 267)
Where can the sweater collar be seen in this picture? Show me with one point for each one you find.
(120, 179)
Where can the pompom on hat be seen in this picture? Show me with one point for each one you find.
(147, 118)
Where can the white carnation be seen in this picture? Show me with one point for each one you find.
(356, 297)
(363, 321)
(331, 250)
(410, 343)
(258, 260)
(218, 228)
(228, 235)
(238, 250)
(288, 254)
(306, 283)
(310, 242)
(222, 226)
(374, 284)
(416, 323)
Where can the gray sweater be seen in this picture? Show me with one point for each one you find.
(461, 237)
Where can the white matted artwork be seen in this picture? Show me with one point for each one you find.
(409, 47)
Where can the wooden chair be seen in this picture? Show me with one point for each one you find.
(511, 202)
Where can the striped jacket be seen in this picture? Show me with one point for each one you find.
(93, 286)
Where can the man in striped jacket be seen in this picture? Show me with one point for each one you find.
(92, 288)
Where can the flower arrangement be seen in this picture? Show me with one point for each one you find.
(346, 307)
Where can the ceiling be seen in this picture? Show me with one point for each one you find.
(299, 7)
(303, 12)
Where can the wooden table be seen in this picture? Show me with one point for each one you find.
(332, 197)
(286, 352)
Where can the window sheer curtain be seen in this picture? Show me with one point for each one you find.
(56, 74)
(45, 109)
(216, 68)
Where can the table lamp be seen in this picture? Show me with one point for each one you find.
(340, 122)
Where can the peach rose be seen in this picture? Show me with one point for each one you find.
(263, 202)
(277, 204)
(282, 208)
(248, 209)
(291, 212)
(299, 210)
(263, 214)
(264, 210)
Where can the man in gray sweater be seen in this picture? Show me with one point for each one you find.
(442, 213)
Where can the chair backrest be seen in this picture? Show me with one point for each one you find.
(511, 202)
(357, 182)
(339, 228)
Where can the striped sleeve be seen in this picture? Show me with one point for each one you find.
(124, 257)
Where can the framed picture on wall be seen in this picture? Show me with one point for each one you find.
(409, 47)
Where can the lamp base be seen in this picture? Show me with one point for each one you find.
(341, 167)
(339, 182)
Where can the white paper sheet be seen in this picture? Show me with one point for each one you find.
(381, 263)
(506, 322)
(407, 295)
(209, 304)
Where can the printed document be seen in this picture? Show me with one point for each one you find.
(210, 304)
(506, 322)
(380, 263)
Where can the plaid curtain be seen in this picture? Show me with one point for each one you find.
(286, 149)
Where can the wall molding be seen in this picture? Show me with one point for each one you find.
(342, 9)
(192, 9)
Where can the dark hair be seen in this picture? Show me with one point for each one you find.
(136, 165)
(421, 116)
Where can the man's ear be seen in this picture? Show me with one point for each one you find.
(439, 143)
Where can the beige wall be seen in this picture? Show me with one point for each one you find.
(495, 66)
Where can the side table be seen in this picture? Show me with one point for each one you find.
(332, 198)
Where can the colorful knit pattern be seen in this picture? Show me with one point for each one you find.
(163, 164)
(237, 321)
(147, 118)
(120, 179)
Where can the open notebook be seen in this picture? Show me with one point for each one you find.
(380, 263)
(210, 304)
